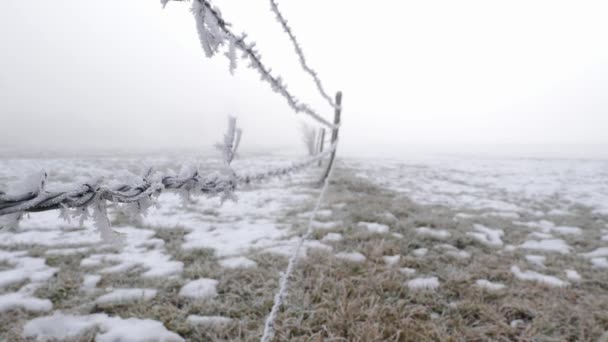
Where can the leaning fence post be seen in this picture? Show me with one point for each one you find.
(334, 134)
(321, 144)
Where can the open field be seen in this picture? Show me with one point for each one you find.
(433, 250)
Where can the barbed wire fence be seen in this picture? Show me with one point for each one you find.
(90, 200)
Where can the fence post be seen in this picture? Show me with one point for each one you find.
(321, 144)
(334, 135)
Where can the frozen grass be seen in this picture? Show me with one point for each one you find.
(333, 299)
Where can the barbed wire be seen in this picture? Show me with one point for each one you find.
(284, 282)
(281, 19)
(223, 184)
(214, 32)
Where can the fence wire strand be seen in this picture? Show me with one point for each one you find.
(284, 282)
(298, 49)
(211, 41)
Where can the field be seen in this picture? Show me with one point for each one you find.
(419, 250)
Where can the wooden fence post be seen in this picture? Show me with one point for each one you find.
(334, 135)
(321, 144)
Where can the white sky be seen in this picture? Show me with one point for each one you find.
(474, 76)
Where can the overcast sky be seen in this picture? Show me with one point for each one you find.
(481, 75)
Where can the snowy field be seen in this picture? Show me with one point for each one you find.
(402, 250)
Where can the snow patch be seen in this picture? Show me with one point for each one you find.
(111, 329)
(200, 289)
(487, 236)
(208, 321)
(237, 262)
(538, 277)
(548, 245)
(439, 234)
(126, 296)
(488, 285)
(352, 256)
(423, 283)
(374, 227)
(573, 275)
(332, 237)
(391, 260)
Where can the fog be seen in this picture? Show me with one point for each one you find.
(473, 78)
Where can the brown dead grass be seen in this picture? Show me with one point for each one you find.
(334, 300)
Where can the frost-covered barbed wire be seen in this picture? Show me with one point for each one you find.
(282, 171)
(293, 259)
(90, 200)
(296, 46)
(214, 32)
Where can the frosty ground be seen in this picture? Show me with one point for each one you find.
(429, 249)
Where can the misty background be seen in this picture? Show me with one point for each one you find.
(469, 78)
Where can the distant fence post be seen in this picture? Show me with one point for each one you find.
(334, 134)
(321, 144)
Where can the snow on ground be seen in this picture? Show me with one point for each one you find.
(125, 296)
(537, 277)
(538, 260)
(200, 289)
(573, 275)
(352, 256)
(327, 225)
(208, 321)
(89, 283)
(420, 252)
(487, 236)
(141, 250)
(488, 285)
(111, 329)
(430, 283)
(391, 259)
(237, 262)
(332, 237)
(374, 227)
(531, 206)
(407, 270)
(547, 245)
(439, 234)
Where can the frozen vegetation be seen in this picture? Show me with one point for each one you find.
(518, 249)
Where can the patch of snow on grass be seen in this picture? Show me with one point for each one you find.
(237, 262)
(25, 268)
(234, 238)
(538, 260)
(548, 245)
(89, 283)
(391, 260)
(111, 329)
(374, 227)
(487, 236)
(326, 225)
(19, 300)
(488, 285)
(538, 277)
(599, 262)
(407, 270)
(352, 256)
(332, 237)
(125, 296)
(200, 288)
(420, 252)
(439, 234)
(573, 275)
(423, 283)
(598, 252)
(208, 321)
(140, 249)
